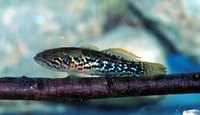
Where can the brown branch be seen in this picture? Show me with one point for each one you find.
(23, 88)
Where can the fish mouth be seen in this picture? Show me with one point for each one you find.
(36, 59)
(39, 60)
(42, 62)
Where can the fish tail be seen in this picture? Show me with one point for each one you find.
(151, 69)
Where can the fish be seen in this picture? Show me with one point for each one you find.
(89, 61)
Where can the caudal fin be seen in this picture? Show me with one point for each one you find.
(151, 69)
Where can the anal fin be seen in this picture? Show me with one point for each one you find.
(75, 74)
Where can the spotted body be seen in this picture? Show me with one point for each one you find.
(88, 61)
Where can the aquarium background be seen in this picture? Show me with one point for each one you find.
(161, 31)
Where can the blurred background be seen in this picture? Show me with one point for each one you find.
(161, 31)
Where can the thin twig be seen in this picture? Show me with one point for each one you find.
(24, 88)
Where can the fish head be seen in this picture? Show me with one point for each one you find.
(52, 59)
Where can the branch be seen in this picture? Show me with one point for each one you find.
(23, 88)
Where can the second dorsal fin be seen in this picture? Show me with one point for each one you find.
(90, 47)
(121, 53)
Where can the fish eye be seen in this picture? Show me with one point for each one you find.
(44, 56)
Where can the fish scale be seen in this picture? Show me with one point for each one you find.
(89, 61)
(103, 66)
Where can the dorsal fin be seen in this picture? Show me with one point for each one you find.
(90, 47)
(121, 53)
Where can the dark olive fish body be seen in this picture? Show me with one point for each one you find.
(83, 62)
